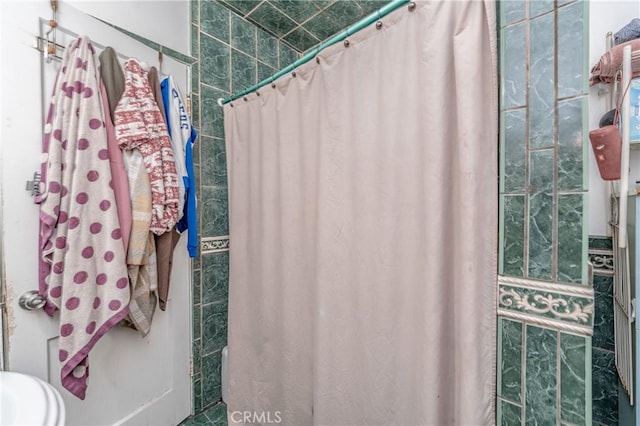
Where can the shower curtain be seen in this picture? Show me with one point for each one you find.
(363, 226)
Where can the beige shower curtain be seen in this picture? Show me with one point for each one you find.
(363, 221)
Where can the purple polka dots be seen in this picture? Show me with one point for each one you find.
(54, 187)
(122, 283)
(94, 123)
(83, 144)
(64, 145)
(61, 242)
(78, 87)
(80, 277)
(96, 303)
(108, 256)
(103, 154)
(114, 305)
(87, 92)
(56, 210)
(63, 355)
(87, 252)
(57, 133)
(82, 198)
(101, 279)
(56, 292)
(66, 330)
(95, 228)
(63, 217)
(104, 205)
(73, 303)
(65, 191)
(58, 268)
(116, 234)
(91, 327)
(93, 176)
(74, 222)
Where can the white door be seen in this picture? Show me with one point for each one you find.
(133, 380)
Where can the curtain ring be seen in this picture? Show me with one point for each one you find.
(245, 98)
(273, 85)
(231, 105)
(220, 101)
(257, 93)
(346, 43)
(317, 60)
(412, 6)
(378, 25)
(293, 74)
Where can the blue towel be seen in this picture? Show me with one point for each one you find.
(629, 32)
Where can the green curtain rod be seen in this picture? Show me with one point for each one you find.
(383, 11)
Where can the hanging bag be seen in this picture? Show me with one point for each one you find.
(606, 143)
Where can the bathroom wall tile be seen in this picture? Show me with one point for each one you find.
(197, 321)
(243, 69)
(215, 278)
(345, 12)
(541, 81)
(214, 166)
(217, 414)
(212, 115)
(511, 11)
(272, 20)
(242, 6)
(195, 78)
(197, 420)
(323, 26)
(605, 387)
(541, 374)
(214, 63)
(603, 285)
(510, 414)
(265, 71)
(195, 280)
(514, 143)
(510, 360)
(297, 10)
(195, 262)
(267, 48)
(243, 35)
(370, 6)
(194, 6)
(603, 331)
(214, 327)
(197, 394)
(215, 212)
(323, 4)
(600, 243)
(214, 19)
(540, 214)
(195, 40)
(302, 39)
(211, 367)
(197, 357)
(571, 144)
(513, 66)
(570, 238)
(287, 55)
(538, 7)
(195, 111)
(572, 77)
(513, 235)
(573, 385)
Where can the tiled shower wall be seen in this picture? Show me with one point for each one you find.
(546, 305)
(232, 54)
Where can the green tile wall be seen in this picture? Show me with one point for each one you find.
(233, 53)
(544, 375)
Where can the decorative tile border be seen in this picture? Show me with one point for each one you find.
(602, 261)
(560, 306)
(214, 244)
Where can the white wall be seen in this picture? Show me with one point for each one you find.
(605, 16)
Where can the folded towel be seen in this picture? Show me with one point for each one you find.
(605, 70)
(629, 32)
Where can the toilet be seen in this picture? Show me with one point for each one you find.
(27, 400)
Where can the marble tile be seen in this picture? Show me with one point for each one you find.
(265, 71)
(603, 331)
(197, 357)
(215, 212)
(515, 144)
(510, 360)
(218, 414)
(573, 386)
(572, 69)
(513, 235)
(242, 6)
(541, 81)
(603, 285)
(195, 79)
(301, 39)
(510, 414)
(511, 11)
(196, 319)
(271, 19)
(195, 263)
(243, 35)
(194, 14)
(215, 283)
(538, 7)
(195, 40)
(267, 48)
(605, 387)
(345, 12)
(322, 26)
(212, 115)
(211, 379)
(600, 243)
(197, 400)
(571, 144)
(570, 243)
(370, 6)
(214, 63)
(195, 112)
(214, 19)
(513, 66)
(195, 286)
(540, 374)
(214, 162)
(297, 10)
(243, 70)
(540, 214)
(287, 55)
(214, 327)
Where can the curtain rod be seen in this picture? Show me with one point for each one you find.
(383, 11)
